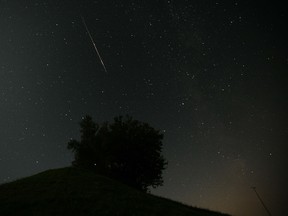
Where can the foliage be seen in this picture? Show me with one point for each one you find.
(127, 150)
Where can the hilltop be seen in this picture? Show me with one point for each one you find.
(70, 191)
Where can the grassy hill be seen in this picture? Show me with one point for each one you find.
(70, 191)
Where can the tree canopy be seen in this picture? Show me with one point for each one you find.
(127, 150)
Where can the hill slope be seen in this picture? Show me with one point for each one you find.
(70, 191)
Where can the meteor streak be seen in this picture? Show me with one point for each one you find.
(95, 47)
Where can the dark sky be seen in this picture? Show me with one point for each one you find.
(211, 74)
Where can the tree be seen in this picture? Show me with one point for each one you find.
(127, 150)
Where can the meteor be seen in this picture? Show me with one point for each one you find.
(95, 47)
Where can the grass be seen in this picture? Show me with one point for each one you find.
(70, 191)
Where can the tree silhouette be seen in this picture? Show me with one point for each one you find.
(127, 150)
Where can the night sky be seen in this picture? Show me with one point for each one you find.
(212, 75)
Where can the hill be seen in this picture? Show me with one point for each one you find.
(70, 191)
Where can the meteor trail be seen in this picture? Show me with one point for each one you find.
(87, 30)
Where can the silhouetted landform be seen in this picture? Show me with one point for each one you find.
(70, 191)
